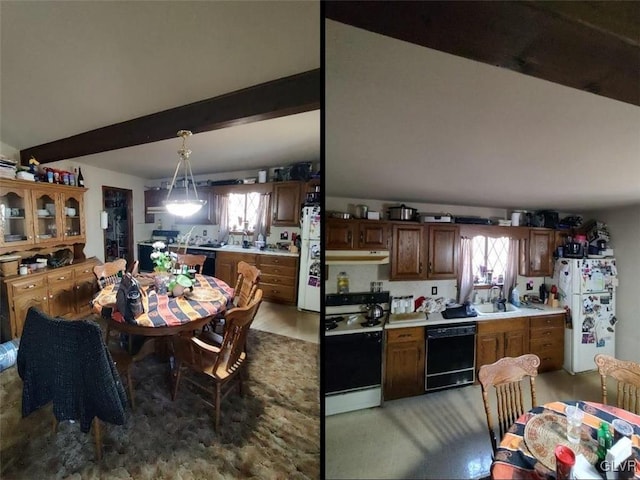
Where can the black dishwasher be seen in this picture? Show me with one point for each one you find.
(451, 353)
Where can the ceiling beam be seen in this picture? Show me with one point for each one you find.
(278, 98)
(591, 46)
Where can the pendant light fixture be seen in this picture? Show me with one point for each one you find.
(184, 207)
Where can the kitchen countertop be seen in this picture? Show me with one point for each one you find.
(437, 319)
(234, 249)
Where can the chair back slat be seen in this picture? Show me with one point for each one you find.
(627, 376)
(238, 322)
(505, 376)
(246, 284)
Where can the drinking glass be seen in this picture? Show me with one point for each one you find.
(574, 423)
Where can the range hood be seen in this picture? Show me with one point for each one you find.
(156, 209)
(356, 257)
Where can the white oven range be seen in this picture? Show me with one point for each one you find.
(353, 351)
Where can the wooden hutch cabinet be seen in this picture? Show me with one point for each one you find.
(40, 215)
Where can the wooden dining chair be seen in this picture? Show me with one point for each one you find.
(506, 377)
(191, 261)
(247, 283)
(627, 375)
(67, 363)
(223, 364)
(110, 272)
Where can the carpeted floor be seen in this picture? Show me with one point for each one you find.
(271, 432)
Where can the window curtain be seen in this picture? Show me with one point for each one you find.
(222, 215)
(511, 273)
(262, 221)
(465, 289)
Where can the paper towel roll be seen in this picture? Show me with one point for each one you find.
(104, 220)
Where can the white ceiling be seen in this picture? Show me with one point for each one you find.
(406, 123)
(71, 67)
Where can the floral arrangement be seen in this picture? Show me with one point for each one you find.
(161, 258)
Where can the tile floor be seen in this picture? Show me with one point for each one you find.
(438, 435)
(288, 321)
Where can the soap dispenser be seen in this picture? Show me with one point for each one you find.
(515, 296)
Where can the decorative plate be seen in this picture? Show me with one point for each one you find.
(547, 430)
(204, 295)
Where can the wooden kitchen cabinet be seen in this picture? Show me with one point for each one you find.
(153, 200)
(285, 204)
(278, 273)
(546, 340)
(62, 292)
(278, 278)
(501, 338)
(356, 234)
(404, 362)
(408, 252)
(22, 226)
(536, 253)
(227, 265)
(443, 249)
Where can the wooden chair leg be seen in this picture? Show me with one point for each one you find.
(130, 382)
(217, 404)
(175, 374)
(97, 430)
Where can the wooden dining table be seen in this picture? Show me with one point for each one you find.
(164, 314)
(526, 450)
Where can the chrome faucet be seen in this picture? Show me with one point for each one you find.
(499, 303)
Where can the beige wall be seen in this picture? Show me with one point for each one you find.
(624, 228)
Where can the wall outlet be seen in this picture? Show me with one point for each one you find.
(434, 290)
(204, 233)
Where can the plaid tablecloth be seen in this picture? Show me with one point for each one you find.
(210, 297)
(513, 460)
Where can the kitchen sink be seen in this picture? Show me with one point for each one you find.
(490, 308)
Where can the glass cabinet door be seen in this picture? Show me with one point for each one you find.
(73, 216)
(46, 214)
(15, 215)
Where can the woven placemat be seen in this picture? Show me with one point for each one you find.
(547, 430)
(204, 295)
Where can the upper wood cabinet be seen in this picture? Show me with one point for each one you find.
(356, 234)
(536, 253)
(408, 251)
(443, 249)
(285, 204)
(40, 214)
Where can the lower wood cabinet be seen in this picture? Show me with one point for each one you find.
(278, 273)
(279, 278)
(546, 340)
(61, 292)
(404, 362)
(227, 265)
(501, 338)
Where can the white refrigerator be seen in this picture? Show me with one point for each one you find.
(587, 286)
(310, 268)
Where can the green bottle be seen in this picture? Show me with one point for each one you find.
(604, 440)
